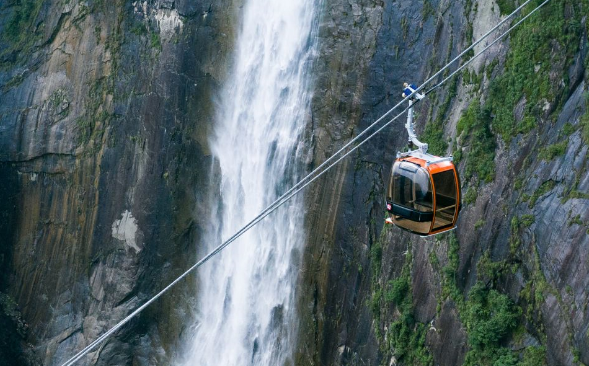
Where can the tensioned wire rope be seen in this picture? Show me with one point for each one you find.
(316, 173)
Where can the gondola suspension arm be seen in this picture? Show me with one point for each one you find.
(410, 127)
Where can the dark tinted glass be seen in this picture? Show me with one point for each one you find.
(445, 187)
(410, 187)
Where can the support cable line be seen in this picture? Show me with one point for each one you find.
(316, 173)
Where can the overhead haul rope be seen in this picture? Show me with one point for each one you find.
(307, 180)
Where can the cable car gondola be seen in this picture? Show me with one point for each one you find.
(423, 194)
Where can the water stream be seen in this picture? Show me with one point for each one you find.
(246, 303)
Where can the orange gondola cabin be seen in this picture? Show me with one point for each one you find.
(423, 193)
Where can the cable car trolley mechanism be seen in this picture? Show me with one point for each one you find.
(424, 190)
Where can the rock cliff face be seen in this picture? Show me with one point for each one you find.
(104, 113)
(509, 285)
(105, 108)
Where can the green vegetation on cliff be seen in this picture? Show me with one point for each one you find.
(405, 337)
(533, 80)
(506, 6)
(24, 13)
(552, 151)
(20, 32)
(490, 318)
(434, 131)
(585, 118)
(541, 50)
(476, 123)
(14, 329)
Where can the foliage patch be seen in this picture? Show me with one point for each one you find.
(552, 151)
(479, 159)
(21, 31)
(541, 47)
(406, 336)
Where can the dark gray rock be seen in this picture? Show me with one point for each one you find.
(103, 139)
(346, 208)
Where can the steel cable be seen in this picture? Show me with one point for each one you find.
(314, 175)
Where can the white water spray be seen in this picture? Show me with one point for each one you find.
(246, 306)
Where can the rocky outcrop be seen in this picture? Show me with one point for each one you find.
(374, 296)
(105, 109)
(104, 114)
(347, 40)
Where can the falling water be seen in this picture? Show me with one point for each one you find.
(246, 303)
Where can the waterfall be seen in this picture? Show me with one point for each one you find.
(246, 295)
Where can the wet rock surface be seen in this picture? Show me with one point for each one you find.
(548, 242)
(104, 118)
